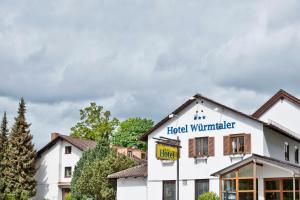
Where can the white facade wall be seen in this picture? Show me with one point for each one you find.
(284, 113)
(274, 145)
(132, 188)
(190, 169)
(51, 167)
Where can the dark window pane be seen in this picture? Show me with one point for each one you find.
(68, 150)
(246, 195)
(241, 145)
(246, 184)
(273, 196)
(229, 185)
(297, 155)
(272, 185)
(228, 195)
(201, 186)
(288, 184)
(169, 190)
(289, 196)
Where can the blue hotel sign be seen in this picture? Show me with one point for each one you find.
(200, 127)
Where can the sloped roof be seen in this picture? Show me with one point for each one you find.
(82, 144)
(281, 94)
(261, 160)
(137, 171)
(186, 104)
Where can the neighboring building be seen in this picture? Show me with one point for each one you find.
(131, 152)
(55, 164)
(237, 156)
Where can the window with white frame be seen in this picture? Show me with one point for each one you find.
(286, 151)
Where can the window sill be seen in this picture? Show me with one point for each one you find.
(201, 158)
(238, 155)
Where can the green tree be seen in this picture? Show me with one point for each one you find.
(209, 196)
(98, 153)
(95, 123)
(129, 132)
(93, 181)
(3, 147)
(21, 156)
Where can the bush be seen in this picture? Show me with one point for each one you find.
(209, 196)
(68, 196)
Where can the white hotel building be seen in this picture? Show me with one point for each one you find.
(237, 156)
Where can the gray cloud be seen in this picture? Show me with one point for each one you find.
(143, 58)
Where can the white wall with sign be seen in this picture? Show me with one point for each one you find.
(190, 168)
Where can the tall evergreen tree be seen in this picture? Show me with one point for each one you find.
(21, 157)
(3, 147)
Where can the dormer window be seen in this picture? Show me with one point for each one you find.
(286, 151)
(68, 149)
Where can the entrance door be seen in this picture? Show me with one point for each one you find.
(65, 192)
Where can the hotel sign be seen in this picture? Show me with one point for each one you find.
(201, 127)
(165, 152)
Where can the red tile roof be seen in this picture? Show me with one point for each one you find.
(82, 144)
(137, 171)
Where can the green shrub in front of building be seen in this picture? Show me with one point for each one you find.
(209, 196)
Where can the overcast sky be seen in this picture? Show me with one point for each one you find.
(143, 57)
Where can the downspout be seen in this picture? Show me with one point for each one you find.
(294, 187)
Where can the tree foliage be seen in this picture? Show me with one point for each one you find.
(93, 181)
(3, 147)
(98, 153)
(95, 123)
(20, 161)
(209, 196)
(129, 132)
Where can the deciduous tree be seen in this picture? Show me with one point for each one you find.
(129, 132)
(93, 181)
(95, 123)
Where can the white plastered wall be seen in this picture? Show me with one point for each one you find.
(51, 166)
(132, 188)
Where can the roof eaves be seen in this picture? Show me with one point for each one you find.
(187, 103)
(279, 95)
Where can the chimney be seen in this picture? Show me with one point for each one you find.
(54, 135)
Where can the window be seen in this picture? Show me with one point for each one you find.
(129, 153)
(237, 144)
(296, 154)
(202, 147)
(287, 151)
(201, 186)
(169, 190)
(239, 184)
(68, 172)
(68, 149)
(278, 189)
